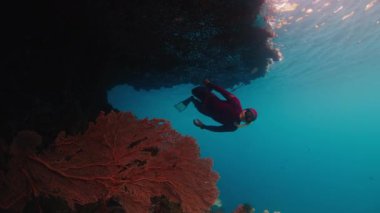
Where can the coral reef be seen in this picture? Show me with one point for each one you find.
(61, 57)
(244, 208)
(144, 165)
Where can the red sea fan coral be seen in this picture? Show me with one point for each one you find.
(118, 157)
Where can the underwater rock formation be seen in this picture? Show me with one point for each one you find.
(171, 42)
(62, 56)
(144, 165)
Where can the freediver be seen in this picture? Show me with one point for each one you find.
(227, 112)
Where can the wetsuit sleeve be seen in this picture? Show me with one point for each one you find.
(227, 95)
(223, 128)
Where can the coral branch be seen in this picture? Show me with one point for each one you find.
(137, 162)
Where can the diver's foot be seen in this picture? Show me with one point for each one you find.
(183, 104)
(180, 106)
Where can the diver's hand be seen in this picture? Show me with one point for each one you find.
(198, 123)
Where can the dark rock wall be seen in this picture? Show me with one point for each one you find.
(60, 57)
(168, 42)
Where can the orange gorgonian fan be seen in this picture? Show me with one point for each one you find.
(118, 157)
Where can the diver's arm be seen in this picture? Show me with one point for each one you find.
(223, 128)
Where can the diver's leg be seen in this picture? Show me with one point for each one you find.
(201, 97)
(201, 93)
(200, 106)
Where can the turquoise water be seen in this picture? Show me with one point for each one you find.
(316, 144)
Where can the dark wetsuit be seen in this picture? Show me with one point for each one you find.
(226, 112)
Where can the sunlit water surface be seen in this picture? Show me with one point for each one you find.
(316, 144)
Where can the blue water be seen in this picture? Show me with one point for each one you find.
(316, 144)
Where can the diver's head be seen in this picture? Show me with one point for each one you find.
(249, 115)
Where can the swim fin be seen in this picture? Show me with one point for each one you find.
(180, 106)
